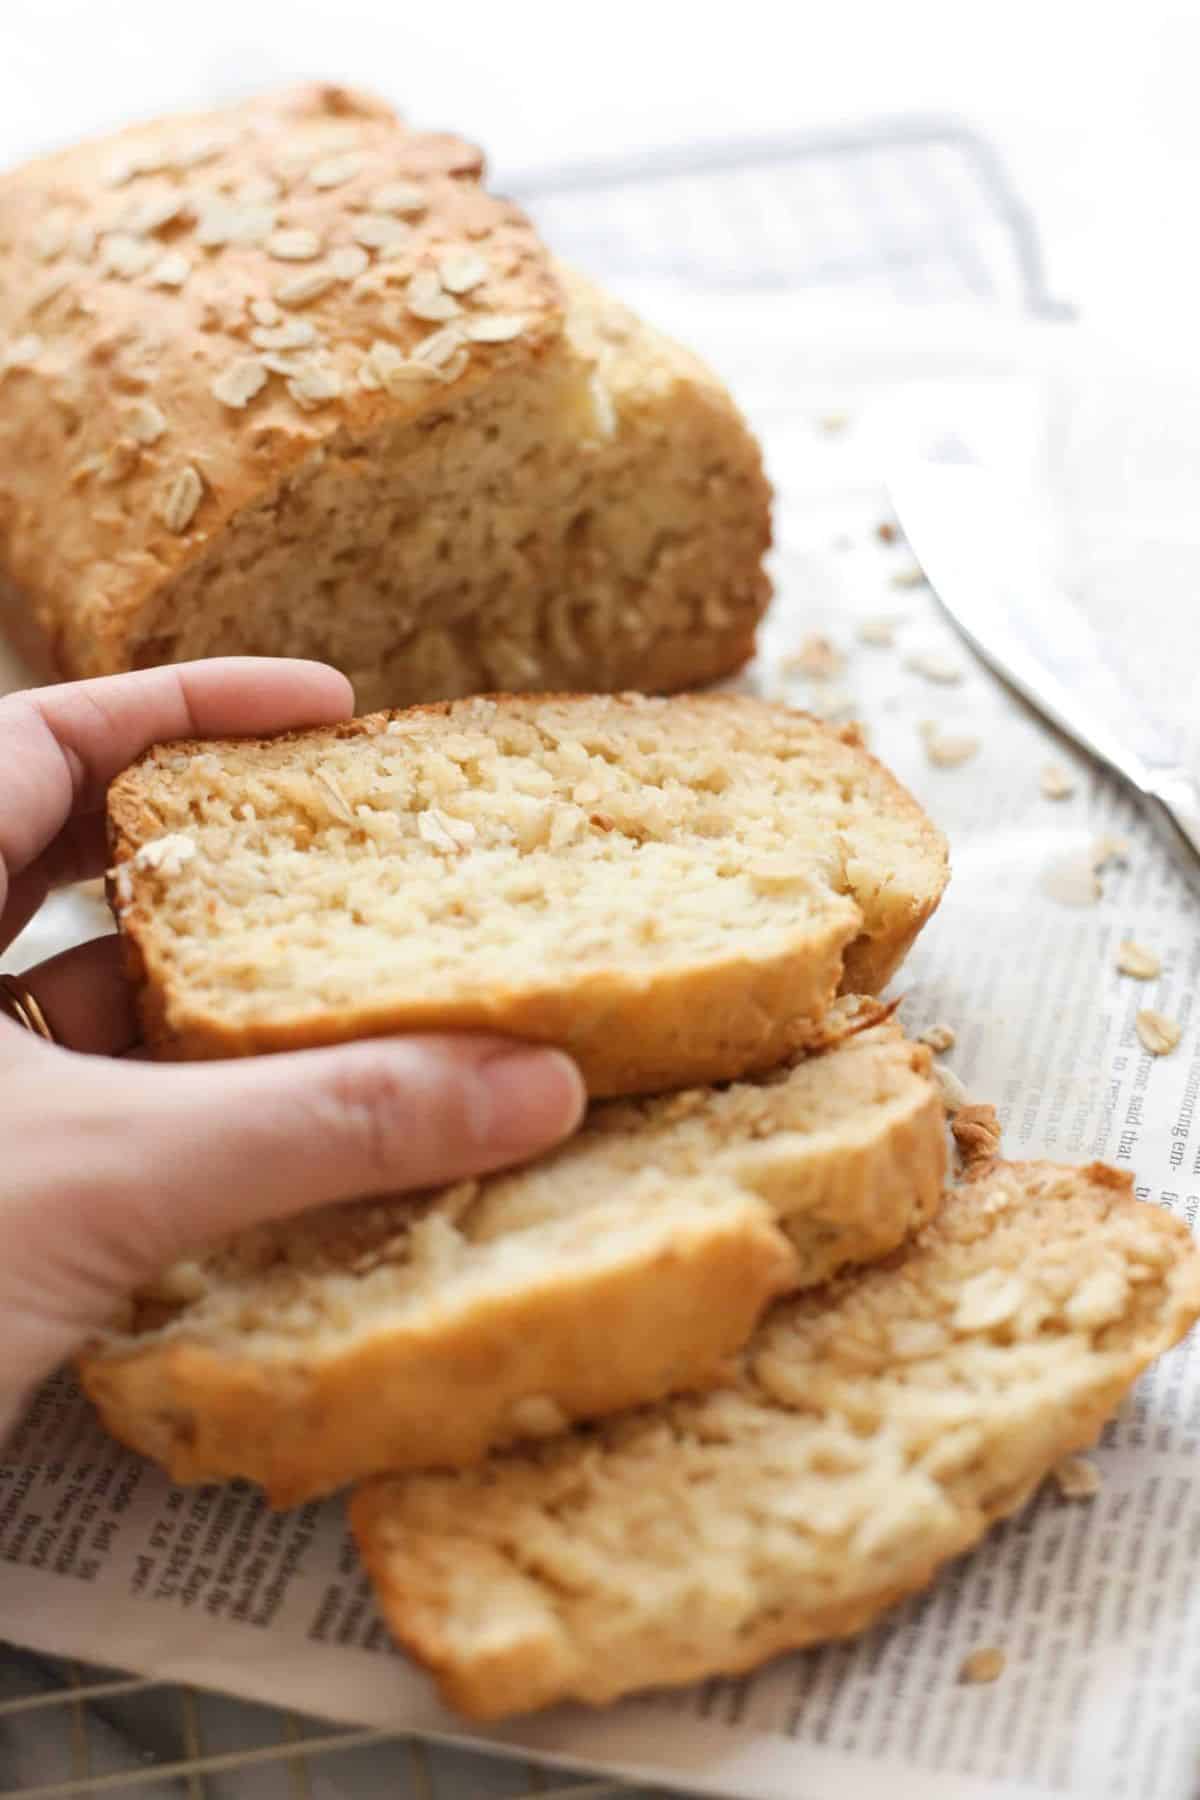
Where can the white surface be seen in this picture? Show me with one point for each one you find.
(1093, 106)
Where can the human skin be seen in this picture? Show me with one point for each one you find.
(112, 1166)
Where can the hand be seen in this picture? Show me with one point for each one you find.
(111, 1167)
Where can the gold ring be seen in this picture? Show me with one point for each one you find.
(22, 1007)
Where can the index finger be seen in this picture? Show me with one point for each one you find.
(61, 746)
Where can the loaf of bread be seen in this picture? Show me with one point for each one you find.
(286, 379)
(878, 1428)
(670, 889)
(404, 1333)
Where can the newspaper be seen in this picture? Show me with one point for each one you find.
(1096, 1604)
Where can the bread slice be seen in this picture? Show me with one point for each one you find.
(401, 1333)
(672, 890)
(877, 1429)
(285, 378)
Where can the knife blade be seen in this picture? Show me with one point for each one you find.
(964, 528)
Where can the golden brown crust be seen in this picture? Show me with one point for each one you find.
(881, 1428)
(308, 1427)
(93, 328)
(728, 1016)
(661, 1309)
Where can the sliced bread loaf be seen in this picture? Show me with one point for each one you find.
(671, 890)
(287, 379)
(630, 1264)
(877, 1429)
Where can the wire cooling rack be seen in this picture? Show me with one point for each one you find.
(915, 210)
(124, 1735)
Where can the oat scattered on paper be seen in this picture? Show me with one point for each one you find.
(938, 1038)
(1108, 848)
(879, 631)
(947, 749)
(818, 659)
(912, 577)
(1056, 782)
(1077, 1478)
(1071, 880)
(831, 703)
(954, 1094)
(934, 667)
(982, 1665)
(1158, 1034)
(1134, 959)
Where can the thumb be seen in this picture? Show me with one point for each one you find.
(222, 1145)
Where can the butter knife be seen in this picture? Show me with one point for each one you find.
(964, 528)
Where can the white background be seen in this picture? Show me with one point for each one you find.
(1094, 106)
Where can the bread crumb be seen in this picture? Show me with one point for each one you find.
(1134, 959)
(1056, 782)
(938, 1038)
(833, 422)
(976, 1132)
(817, 658)
(1158, 1034)
(912, 577)
(1077, 1478)
(888, 532)
(982, 1665)
(880, 631)
(954, 1094)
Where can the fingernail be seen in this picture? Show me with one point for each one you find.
(531, 1098)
